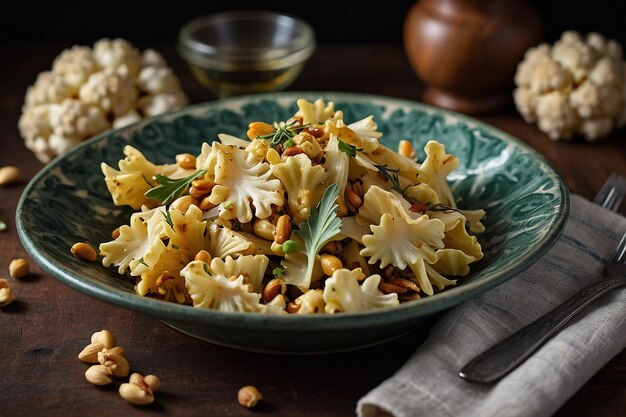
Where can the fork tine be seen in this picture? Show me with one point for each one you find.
(611, 194)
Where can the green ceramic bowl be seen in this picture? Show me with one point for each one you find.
(526, 201)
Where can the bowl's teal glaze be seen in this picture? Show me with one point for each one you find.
(526, 202)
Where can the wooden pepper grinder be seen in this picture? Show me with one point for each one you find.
(466, 51)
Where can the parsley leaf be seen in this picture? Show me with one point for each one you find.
(169, 189)
(278, 272)
(348, 149)
(321, 226)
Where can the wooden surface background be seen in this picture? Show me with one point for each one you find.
(47, 326)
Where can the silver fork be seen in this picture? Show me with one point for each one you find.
(507, 355)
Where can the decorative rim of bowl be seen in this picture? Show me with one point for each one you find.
(251, 58)
(178, 312)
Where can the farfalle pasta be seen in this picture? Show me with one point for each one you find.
(311, 215)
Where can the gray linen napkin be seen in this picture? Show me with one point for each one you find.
(429, 385)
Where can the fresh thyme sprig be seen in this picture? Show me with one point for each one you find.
(170, 189)
(390, 175)
(168, 218)
(420, 207)
(284, 131)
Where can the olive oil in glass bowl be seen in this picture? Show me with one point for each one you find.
(244, 52)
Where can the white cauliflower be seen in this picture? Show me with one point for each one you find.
(575, 87)
(90, 90)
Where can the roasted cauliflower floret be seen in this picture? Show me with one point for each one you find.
(575, 87)
(90, 90)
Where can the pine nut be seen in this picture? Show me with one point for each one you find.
(115, 233)
(137, 391)
(90, 353)
(273, 288)
(199, 188)
(333, 248)
(292, 307)
(259, 129)
(105, 337)
(206, 205)
(283, 229)
(186, 161)
(9, 174)
(330, 264)
(263, 228)
(293, 151)
(272, 157)
(153, 381)
(6, 294)
(405, 148)
(183, 203)
(19, 268)
(353, 198)
(249, 396)
(84, 251)
(99, 375)
(203, 256)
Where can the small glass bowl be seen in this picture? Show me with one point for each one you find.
(244, 52)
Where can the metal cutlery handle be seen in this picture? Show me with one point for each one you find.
(498, 361)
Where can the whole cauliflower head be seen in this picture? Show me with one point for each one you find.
(90, 90)
(575, 87)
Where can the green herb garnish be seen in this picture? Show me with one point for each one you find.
(348, 149)
(440, 207)
(141, 261)
(168, 218)
(288, 143)
(170, 189)
(320, 227)
(284, 131)
(390, 175)
(278, 272)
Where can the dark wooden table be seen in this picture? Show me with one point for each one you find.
(44, 329)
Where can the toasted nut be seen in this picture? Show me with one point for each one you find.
(330, 263)
(162, 278)
(279, 301)
(272, 156)
(283, 229)
(405, 148)
(183, 203)
(277, 249)
(342, 211)
(292, 151)
(357, 187)
(315, 132)
(264, 228)
(153, 381)
(90, 353)
(186, 161)
(259, 129)
(9, 174)
(388, 271)
(115, 233)
(388, 288)
(273, 288)
(200, 188)
(292, 307)
(353, 198)
(6, 294)
(206, 204)
(203, 256)
(117, 363)
(84, 251)
(404, 283)
(99, 375)
(137, 391)
(19, 268)
(333, 247)
(249, 396)
(105, 337)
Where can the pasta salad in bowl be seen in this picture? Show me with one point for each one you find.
(291, 224)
